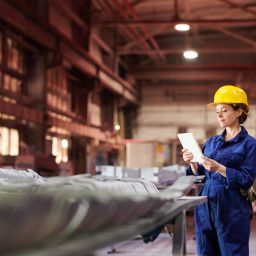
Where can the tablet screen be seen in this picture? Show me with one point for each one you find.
(188, 141)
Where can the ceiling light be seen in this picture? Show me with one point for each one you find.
(182, 27)
(64, 143)
(190, 54)
(117, 127)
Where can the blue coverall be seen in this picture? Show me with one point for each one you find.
(223, 223)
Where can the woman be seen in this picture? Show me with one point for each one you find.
(229, 165)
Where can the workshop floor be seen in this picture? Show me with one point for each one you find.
(163, 244)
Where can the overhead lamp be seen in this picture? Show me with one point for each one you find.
(117, 127)
(64, 143)
(182, 27)
(190, 54)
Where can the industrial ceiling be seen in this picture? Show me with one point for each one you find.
(151, 50)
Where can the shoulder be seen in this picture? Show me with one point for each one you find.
(212, 139)
(249, 144)
(250, 140)
(248, 137)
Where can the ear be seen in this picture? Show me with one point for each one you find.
(239, 112)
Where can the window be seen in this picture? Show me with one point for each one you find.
(9, 141)
(14, 56)
(60, 149)
(57, 92)
(12, 65)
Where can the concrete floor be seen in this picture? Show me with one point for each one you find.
(162, 246)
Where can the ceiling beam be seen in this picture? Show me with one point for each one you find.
(137, 2)
(66, 10)
(48, 36)
(181, 50)
(237, 36)
(98, 40)
(124, 16)
(106, 76)
(234, 5)
(27, 25)
(180, 86)
(194, 66)
(190, 75)
(144, 29)
(172, 22)
(158, 31)
(107, 8)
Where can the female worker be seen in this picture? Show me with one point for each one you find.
(229, 166)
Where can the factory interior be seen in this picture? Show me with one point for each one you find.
(93, 94)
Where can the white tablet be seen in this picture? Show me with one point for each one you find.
(188, 141)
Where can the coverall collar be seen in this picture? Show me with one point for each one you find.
(243, 133)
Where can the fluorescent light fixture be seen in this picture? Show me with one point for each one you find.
(190, 54)
(182, 27)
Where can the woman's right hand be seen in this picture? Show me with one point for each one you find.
(187, 155)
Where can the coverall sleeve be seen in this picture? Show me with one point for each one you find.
(244, 176)
(200, 171)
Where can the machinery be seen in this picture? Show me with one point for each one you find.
(44, 165)
(75, 215)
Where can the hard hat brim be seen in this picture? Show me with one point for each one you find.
(211, 105)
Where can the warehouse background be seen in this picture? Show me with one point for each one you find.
(94, 82)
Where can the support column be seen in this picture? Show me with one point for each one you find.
(36, 89)
(179, 238)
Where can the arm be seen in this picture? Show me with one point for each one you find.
(241, 177)
(212, 165)
(194, 168)
(244, 176)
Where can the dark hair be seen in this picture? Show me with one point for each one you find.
(245, 111)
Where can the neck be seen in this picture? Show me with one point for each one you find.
(231, 132)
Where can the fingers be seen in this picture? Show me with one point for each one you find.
(209, 164)
(187, 155)
(206, 160)
(184, 150)
(203, 160)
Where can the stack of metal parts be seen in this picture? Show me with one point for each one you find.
(67, 215)
(169, 174)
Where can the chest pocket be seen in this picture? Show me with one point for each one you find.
(232, 160)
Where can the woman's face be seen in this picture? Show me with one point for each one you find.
(227, 116)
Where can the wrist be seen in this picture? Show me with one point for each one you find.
(194, 167)
(222, 170)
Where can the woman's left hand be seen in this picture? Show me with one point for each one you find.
(213, 166)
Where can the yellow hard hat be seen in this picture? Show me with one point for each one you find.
(229, 94)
